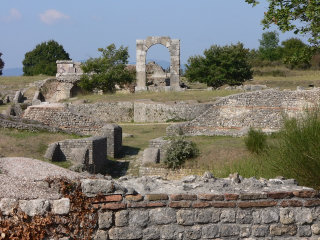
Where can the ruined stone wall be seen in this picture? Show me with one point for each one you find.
(59, 115)
(233, 115)
(101, 209)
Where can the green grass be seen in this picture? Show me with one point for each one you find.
(15, 83)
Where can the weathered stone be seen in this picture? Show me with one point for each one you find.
(303, 216)
(286, 216)
(228, 216)
(229, 230)
(316, 228)
(207, 216)
(18, 97)
(171, 232)
(279, 230)
(244, 216)
(193, 233)
(151, 155)
(7, 205)
(34, 207)
(151, 233)
(91, 187)
(210, 231)
(260, 230)
(61, 206)
(245, 231)
(162, 216)
(105, 220)
(138, 218)
(113, 133)
(185, 217)
(125, 233)
(101, 235)
(304, 231)
(121, 218)
(256, 215)
(269, 216)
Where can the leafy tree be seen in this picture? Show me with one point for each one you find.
(1, 64)
(108, 70)
(42, 59)
(220, 65)
(301, 16)
(296, 54)
(269, 46)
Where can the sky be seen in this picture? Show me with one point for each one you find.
(84, 26)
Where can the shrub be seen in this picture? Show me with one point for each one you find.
(220, 65)
(179, 151)
(255, 141)
(297, 152)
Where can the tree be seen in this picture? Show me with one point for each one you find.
(220, 65)
(108, 70)
(269, 46)
(296, 54)
(301, 16)
(42, 59)
(1, 64)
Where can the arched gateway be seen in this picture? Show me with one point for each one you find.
(173, 46)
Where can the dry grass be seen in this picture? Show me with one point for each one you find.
(17, 143)
(15, 83)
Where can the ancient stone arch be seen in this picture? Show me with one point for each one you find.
(143, 46)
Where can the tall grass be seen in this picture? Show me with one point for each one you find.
(255, 141)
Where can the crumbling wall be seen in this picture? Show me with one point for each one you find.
(233, 115)
(103, 209)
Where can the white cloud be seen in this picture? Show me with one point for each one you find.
(14, 15)
(52, 16)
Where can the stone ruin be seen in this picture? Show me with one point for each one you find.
(142, 48)
(156, 75)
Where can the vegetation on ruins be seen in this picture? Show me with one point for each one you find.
(255, 141)
(179, 151)
(302, 17)
(106, 71)
(42, 59)
(1, 64)
(220, 65)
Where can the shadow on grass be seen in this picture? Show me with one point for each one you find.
(116, 169)
(129, 151)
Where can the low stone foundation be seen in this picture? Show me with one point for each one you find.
(103, 209)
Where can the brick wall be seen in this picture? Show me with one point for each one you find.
(111, 212)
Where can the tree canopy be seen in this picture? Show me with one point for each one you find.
(269, 46)
(42, 59)
(106, 71)
(220, 65)
(1, 64)
(300, 16)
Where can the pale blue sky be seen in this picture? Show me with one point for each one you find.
(84, 26)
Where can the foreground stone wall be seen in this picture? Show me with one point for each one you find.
(103, 209)
(233, 115)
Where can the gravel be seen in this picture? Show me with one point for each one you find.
(23, 178)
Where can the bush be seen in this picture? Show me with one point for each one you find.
(220, 65)
(179, 151)
(296, 153)
(255, 141)
(108, 70)
(1, 64)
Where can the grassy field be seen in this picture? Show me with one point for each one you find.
(17, 143)
(16, 83)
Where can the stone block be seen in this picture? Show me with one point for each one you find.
(286, 216)
(162, 216)
(269, 216)
(171, 231)
(34, 207)
(244, 216)
(229, 230)
(245, 231)
(91, 187)
(207, 216)
(279, 230)
(185, 217)
(151, 155)
(113, 133)
(304, 231)
(105, 220)
(18, 97)
(228, 216)
(61, 206)
(101, 235)
(260, 230)
(7, 205)
(151, 233)
(121, 218)
(316, 228)
(210, 231)
(138, 218)
(303, 216)
(125, 233)
(194, 232)
(80, 155)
